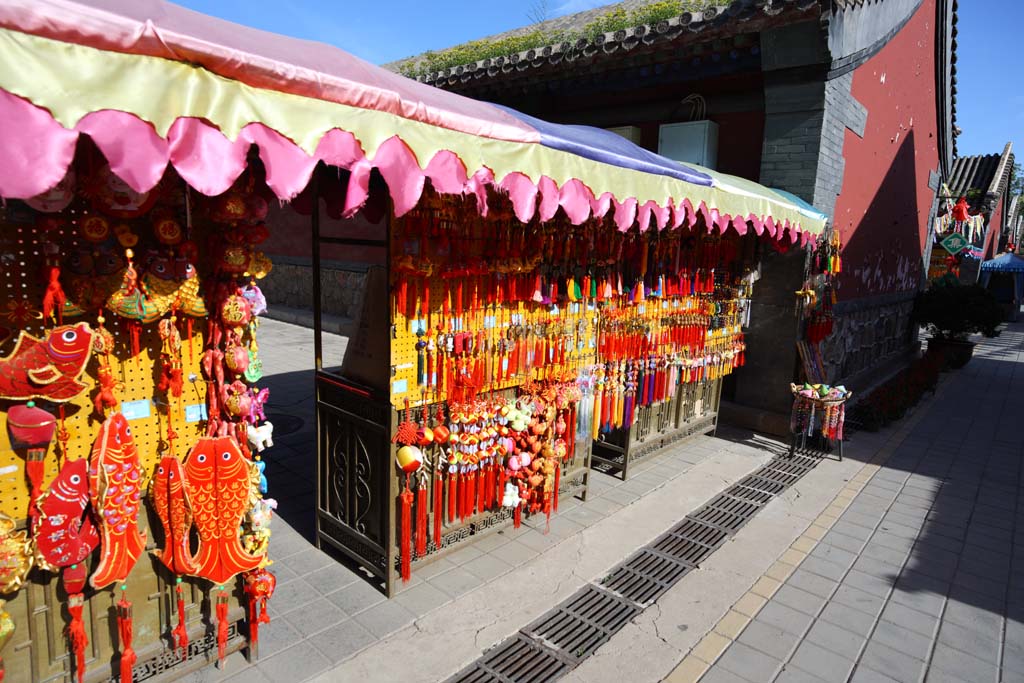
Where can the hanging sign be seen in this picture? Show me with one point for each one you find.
(954, 243)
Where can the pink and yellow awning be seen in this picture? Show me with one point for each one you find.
(155, 84)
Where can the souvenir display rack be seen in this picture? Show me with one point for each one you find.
(697, 365)
(514, 350)
(818, 418)
(154, 296)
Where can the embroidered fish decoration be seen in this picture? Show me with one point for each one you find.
(64, 534)
(48, 368)
(218, 480)
(115, 482)
(167, 491)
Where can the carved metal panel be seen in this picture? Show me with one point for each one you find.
(354, 490)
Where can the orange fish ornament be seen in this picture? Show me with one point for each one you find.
(49, 368)
(167, 491)
(218, 482)
(115, 482)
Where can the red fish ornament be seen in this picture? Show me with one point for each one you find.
(64, 534)
(115, 479)
(218, 482)
(168, 493)
(48, 368)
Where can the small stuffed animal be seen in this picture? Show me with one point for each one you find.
(511, 498)
(261, 437)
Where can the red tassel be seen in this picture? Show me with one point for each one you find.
(471, 495)
(135, 334)
(34, 466)
(421, 519)
(180, 634)
(54, 298)
(453, 497)
(124, 631)
(76, 633)
(438, 506)
(558, 479)
(481, 489)
(406, 537)
(222, 626)
(517, 516)
(500, 488)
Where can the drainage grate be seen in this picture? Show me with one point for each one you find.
(734, 506)
(759, 498)
(784, 478)
(583, 623)
(517, 660)
(645, 576)
(797, 469)
(758, 483)
(698, 532)
(684, 549)
(726, 521)
(559, 640)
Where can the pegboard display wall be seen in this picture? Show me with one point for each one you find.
(21, 291)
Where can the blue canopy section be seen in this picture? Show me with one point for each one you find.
(608, 148)
(1004, 263)
(803, 207)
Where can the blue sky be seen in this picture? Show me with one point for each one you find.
(990, 106)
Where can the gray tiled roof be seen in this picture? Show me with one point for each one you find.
(988, 174)
(710, 14)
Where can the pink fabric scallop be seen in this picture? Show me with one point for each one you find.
(625, 213)
(548, 199)
(575, 199)
(397, 165)
(523, 194)
(358, 187)
(447, 173)
(288, 166)
(599, 205)
(203, 157)
(339, 148)
(137, 155)
(477, 185)
(643, 216)
(35, 150)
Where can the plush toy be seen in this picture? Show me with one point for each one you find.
(262, 437)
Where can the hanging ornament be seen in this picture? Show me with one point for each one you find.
(125, 633)
(259, 586)
(114, 197)
(115, 480)
(132, 301)
(169, 497)
(16, 555)
(49, 368)
(74, 579)
(108, 385)
(64, 534)
(219, 486)
(31, 428)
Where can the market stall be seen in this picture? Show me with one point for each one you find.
(541, 287)
(1004, 276)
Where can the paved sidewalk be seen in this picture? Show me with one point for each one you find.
(916, 572)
